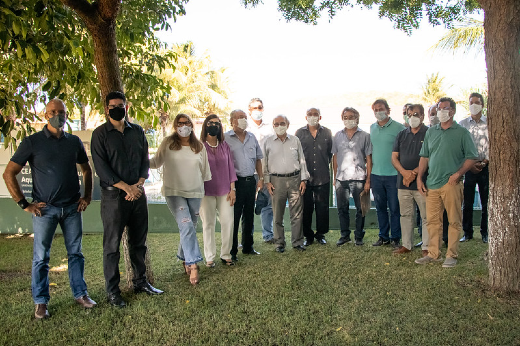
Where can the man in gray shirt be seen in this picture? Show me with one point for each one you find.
(285, 174)
(352, 163)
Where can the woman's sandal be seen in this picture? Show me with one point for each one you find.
(187, 269)
(194, 274)
(228, 262)
(210, 264)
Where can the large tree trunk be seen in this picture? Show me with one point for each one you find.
(502, 28)
(100, 19)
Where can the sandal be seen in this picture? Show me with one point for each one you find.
(228, 262)
(187, 269)
(210, 264)
(194, 274)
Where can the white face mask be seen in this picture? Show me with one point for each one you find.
(184, 131)
(434, 120)
(313, 121)
(350, 124)
(280, 130)
(380, 116)
(242, 123)
(474, 109)
(414, 122)
(257, 115)
(443, 115)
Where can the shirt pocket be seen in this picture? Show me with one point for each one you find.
(294, 154)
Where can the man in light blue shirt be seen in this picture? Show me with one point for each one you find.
(383, 180)
(247, 156)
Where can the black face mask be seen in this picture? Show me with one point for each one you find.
(117, 113)
(213, 130)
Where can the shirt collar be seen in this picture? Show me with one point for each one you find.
(111, 127)
(48, 133)
(277, 138)
(483, 120)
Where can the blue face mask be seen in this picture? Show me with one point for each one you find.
(58, 121)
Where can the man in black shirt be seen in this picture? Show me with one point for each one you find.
(52, 155)
(120, 154)
(405, 158)
(316, 142)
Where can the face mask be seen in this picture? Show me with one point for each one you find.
(184, 131)
(313, 121)
(414, 122)
(57, 121)
(257, 115)
(350, 124)
(443, 115)
(117, 113)
(380, 116)
(242, 123)
(213, 130)
(280, 130)
(474, 109)
(434, 120)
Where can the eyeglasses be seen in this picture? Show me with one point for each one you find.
(279, 124)
(121, 105)
(184, 123)
(415, 115)
(258, 107)
(213, 123)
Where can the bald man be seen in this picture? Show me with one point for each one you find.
(52, 155)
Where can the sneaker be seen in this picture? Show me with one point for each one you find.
(359, 242)
(395, 244)
(427, 259)
(450, 262)
(465, 238)
(418, 244)
(342, 241)
(485, 239)
(381, 241)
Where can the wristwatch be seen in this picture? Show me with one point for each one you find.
(23, 203)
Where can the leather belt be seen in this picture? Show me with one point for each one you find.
(295, 173)
(109, 188)
(252, 177)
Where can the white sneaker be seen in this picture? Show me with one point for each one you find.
(450, 262)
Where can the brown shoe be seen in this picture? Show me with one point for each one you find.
(41, 312)
(86, 302)
(401, 250)
(424, 253)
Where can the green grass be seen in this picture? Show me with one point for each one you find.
(327, 295)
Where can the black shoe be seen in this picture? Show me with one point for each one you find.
(147, 288)
(234, 258)
(252, 252)
(381, 241)
(418, 244)
(299, 248)
(321, 241)
(465, 238)
(115, 299)
(395, 244)
(359, 242)
(280, 249)
(308, 242)
(485, 239)
(342, 241)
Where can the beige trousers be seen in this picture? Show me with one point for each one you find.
(407, 208)
(208, 214)
(287, 188)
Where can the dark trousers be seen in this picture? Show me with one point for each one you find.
(116, 213)
(384, 189)
(245, 210)
(316, 198)
(470, 181)
(343, 191)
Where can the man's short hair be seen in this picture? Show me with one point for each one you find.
(232, 114)
(479, 96)
(285, 117)
(256, 99)
(417, 105)
(113, 95)
(453, 104)
(350, 109)
(319, 112)
(383, 102)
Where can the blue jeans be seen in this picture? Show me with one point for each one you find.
(44, 228)
(267, 218)
(384, 189)
(186, 213)
(343, 191)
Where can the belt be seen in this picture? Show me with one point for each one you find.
(109, 188)
(252, 177)
(285, 175)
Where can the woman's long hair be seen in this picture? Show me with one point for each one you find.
(195, 145)
(204, 131)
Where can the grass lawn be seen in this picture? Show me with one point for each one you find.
(327, 295)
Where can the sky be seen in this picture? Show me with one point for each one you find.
(285, 63)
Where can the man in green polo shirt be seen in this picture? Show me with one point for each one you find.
(447, 152)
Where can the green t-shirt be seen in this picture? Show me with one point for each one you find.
(383, 138)
(447, 150)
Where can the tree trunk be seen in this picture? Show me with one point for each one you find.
(502, 43)
(82, 117)
(129, 270)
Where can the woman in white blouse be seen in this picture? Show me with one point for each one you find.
(186, 168)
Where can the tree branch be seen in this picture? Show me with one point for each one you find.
(108, 9)
(82, 7)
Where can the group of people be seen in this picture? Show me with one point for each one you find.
(254, 167)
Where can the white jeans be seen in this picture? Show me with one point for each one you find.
(208, 213)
